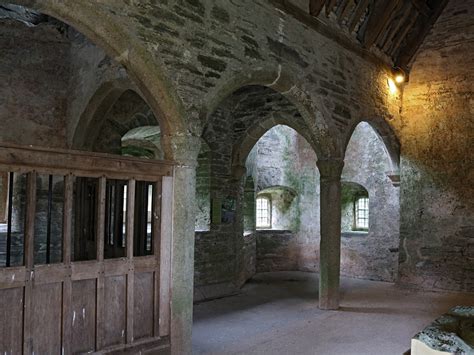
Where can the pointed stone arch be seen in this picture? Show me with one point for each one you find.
(144, 70)
(390, 141)
(280, 80)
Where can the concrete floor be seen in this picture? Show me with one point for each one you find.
(277, 313)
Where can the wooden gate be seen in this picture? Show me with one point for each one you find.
(84, 252)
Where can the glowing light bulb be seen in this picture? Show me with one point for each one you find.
(400, 78)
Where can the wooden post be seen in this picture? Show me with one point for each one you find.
(165, 253)
(29, 261)
(157, 201)
(130, 275)
(100, 301)
(67, 284)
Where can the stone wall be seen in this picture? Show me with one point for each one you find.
(35, 73)
(283, 158)
(276, 251)
(375, 254)
(437, 131)
(233, 72)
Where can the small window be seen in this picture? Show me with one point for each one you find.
(362, 213)
(264, 215)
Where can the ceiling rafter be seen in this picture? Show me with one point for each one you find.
(395, 28)
(330, 5)
(378, 20)
(420, 30)
(359, 11)
(315, 6)
(345, 9)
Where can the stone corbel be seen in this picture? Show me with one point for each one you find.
(394, 177)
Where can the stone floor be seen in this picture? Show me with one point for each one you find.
(277, 313)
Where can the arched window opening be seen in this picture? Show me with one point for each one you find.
(354, 208)
(264, 212)
(142, 142)
(361, 213)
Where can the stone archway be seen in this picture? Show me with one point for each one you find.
(146, 72)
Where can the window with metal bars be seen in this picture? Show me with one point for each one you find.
(264, 212)
(361, 213)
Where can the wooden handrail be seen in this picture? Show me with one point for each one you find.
(80, 163)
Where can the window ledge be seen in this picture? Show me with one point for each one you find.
(354, 234)
(274, 231)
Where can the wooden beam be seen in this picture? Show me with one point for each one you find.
(378, 20)
(165, 255)
(396, 28)
(29, 262)
(66, 338)
(393, 19)
(330, 5)
(85, 163)
(324, 30)
(422, 7)
(415, 38)
(403, 33)
(359, 11)
(131, 273)
(100, 295)
(345, 7)
(315, 7)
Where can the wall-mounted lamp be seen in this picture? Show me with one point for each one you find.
(399, 76)
(396, 79)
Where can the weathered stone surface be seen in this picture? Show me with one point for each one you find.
(437, 131)
(452, 333)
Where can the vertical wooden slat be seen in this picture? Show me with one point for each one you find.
(165, 254)
(100, 301)
(67, 285)
(48, 225)
(157, 193)
(9, 218)
(130, 274)
(29, 262)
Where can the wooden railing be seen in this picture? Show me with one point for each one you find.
(100, 305)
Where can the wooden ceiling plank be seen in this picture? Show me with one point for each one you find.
(378, 20)
(403, 33)
(422, 7)
(393, 17)
(395, 29)
(359, 11)
(315, 6)
(414, 40)
(345, 7)
(330, 5)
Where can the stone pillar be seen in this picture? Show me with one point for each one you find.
(185, 152)
(330, 244)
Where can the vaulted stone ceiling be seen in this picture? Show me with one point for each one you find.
(394, 29)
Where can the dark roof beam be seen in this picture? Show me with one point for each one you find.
(416, 37)
(422, 7)
(359, 11)
(345, 8)
(315, 6)
(406, 12)
(379, 20)
(330, 5)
